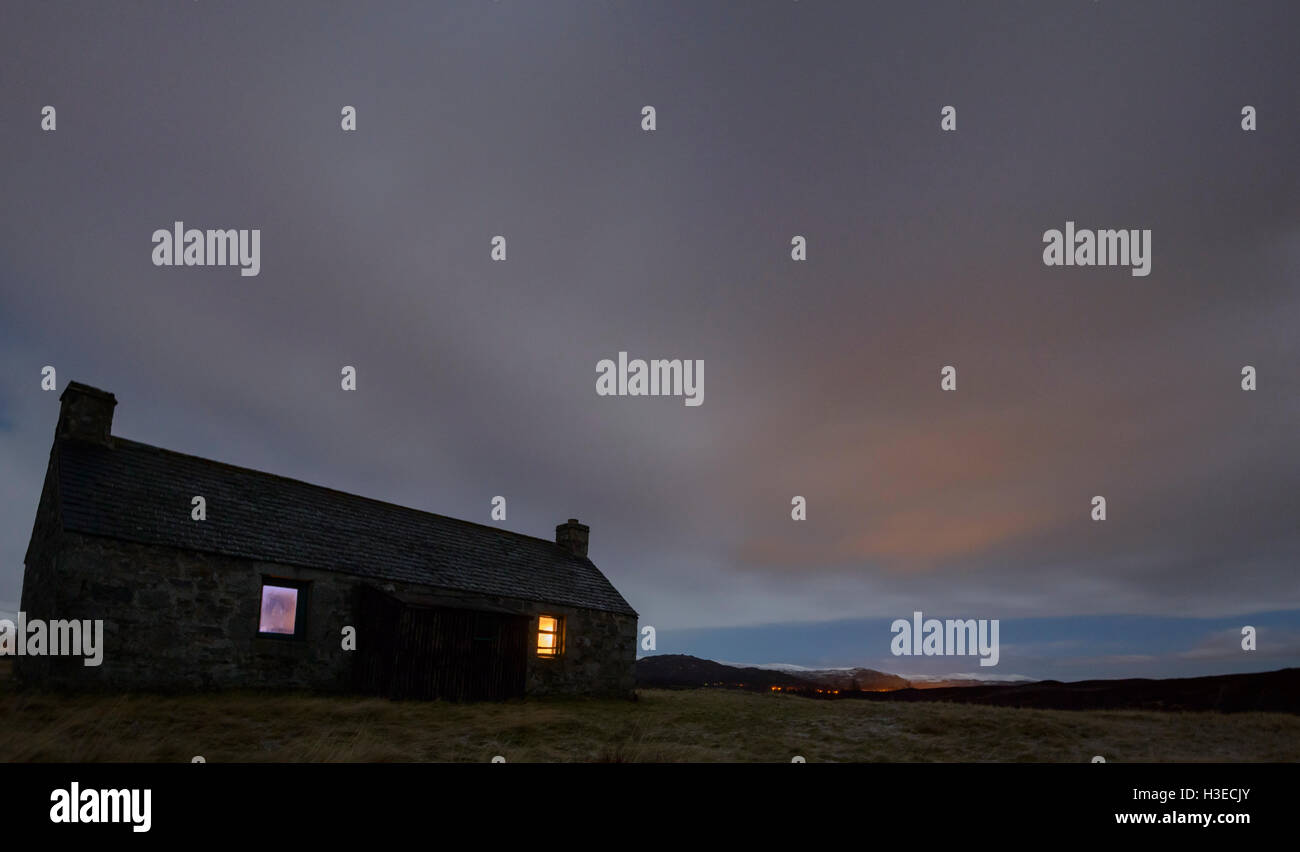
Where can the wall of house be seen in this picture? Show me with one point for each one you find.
(40, 571)
(180, 620)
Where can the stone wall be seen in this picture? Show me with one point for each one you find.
(180, 620)
(599, 654)
(40, 574)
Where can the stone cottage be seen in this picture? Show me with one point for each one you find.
(267, 581)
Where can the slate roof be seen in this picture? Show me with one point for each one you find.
(135, 492)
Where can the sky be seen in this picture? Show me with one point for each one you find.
(477, 378)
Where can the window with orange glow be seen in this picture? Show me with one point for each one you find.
(548, 636)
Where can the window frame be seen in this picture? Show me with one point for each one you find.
(558, 633)
(303, 587)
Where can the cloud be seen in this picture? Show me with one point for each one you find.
(477, 378)
(1279, 644)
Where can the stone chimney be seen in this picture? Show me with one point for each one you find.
(573, 537)
(86, 414)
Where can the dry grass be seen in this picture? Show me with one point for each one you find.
(665, 726)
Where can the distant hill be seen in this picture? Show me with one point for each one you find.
(682, 671)
(855, 679)
(1277, 691)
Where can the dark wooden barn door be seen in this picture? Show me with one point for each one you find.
(441, 652)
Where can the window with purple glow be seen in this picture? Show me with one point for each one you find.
(279, 610)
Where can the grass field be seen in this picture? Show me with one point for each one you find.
(666, 726)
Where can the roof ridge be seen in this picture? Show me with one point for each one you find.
(269, 475)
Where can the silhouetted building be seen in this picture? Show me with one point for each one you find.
(266, 588)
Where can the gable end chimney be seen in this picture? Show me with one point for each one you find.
(86, 414)
(572, 536)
